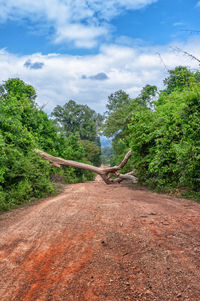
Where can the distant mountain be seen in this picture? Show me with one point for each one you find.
(105, 142)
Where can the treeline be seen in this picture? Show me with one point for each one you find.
(70, 133)
(161, 127)
(163, 130)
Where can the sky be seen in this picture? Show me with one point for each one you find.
(87, 49)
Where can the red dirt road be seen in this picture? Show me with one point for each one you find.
(98, 242)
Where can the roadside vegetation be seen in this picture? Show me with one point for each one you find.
(161, 127)
(24, 126)
(163, 130)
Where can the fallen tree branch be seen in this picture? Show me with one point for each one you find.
(105, 173)
(126, 176)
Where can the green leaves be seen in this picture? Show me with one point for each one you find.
(23, 127)
(166, 142)
(83, 122)
(123, 109)
(78, 119)
(164, 134)
(179, 79)
(117, 101)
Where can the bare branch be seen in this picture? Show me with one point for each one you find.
(125, 160)
(162, 61)
(186, 53)
(122, 164)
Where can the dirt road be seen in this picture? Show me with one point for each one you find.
(98, 242)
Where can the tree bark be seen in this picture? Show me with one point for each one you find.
(109, 174)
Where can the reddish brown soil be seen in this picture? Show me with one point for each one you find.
(98, 242)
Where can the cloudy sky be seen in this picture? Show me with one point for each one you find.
(87, 49)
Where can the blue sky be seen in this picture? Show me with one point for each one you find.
(86, 49)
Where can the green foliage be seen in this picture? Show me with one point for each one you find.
(23, 127)
(166, 142)
(78, 119)
(117, 114)
(164, 135)
(117, 100)
(180, 78)
(146, 96)
(26, 178)
(83, 122)
(116, 120)
(106, 155)
(93, 152)
(71, 148)
(16, 87)
(121, 109)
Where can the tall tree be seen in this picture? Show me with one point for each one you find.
(121, 109)
(147, 95)
(117, 114)
(74, 118)
(16, 87)
(80, 120)
(179, 78)
(23, 127)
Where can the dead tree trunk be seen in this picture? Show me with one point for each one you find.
(109, 174)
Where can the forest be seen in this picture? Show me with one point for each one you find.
(161, 127)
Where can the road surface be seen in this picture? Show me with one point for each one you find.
(99, 242)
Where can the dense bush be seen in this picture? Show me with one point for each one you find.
(163, 130)
(166, 142)
(23, 127)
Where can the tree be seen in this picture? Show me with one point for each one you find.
(147, 95)
(178, 79)
(93, 152)
(121, 109)
(116, 101)
(78, 119)
(166, 142)
(23, 175)
(24, 127)
(117, 114)
(19, 89)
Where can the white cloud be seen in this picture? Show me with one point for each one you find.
(61, 77)
(176, 24)
(83, 36)
(81, 22)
